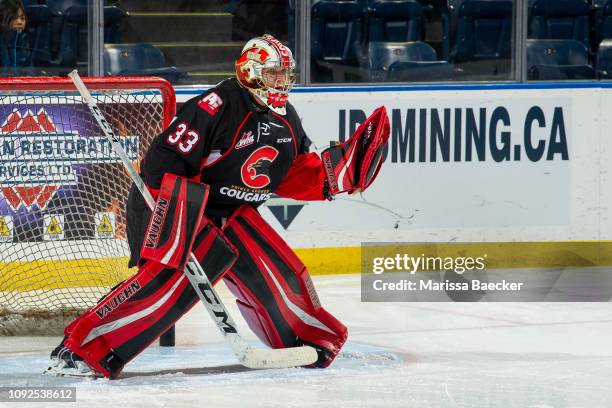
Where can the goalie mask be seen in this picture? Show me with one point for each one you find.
(267, 69)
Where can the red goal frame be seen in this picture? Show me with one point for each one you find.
(24, 84)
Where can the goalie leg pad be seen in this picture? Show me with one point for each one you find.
(275, 293)
(137, 311)
(175, 220)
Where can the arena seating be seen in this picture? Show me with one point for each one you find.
(403, 61)
(39, 30)
(484, 31)
(558, 60)
(72, 48)
(113, 17)
(604, 60)
(336, 38)
(483, 37)
(395, 21)
(138, 60)
(58, 31)
(475, 36)
(602, 22)
(560, 19)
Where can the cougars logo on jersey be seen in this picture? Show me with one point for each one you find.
(255, 170)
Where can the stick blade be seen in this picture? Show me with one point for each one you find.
(279, 358)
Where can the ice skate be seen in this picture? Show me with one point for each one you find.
(65, 363)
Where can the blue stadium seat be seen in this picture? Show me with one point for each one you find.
(138, 60)
(436, 19)
(39, 30)
(405, 61)
(604, 26)
(484, 31)
(60, 6)
(336, 37)
(395, 20)
(558, 60)
(73, 33)
(560, 19)
(113, 17)
(73, 37)
(604, 60)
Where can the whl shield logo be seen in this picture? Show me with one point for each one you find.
(247, 139)
(37, 157)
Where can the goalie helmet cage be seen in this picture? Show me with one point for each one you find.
(63, 193)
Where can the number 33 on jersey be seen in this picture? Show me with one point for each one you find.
(184, 138)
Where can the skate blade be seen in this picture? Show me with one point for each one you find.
(70, 372)
(58, 369)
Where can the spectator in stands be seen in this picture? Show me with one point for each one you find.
(15, 49)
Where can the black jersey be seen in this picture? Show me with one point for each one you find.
(223, 138)
(241, 149)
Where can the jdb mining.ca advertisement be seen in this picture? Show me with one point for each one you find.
(461, 160)
(396, 272)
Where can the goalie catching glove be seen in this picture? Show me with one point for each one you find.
(353, 165)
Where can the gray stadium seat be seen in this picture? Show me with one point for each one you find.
(336, 37)
(604, 60)
(138, 60)
(560, 19)
(405, 61)
(558, 60)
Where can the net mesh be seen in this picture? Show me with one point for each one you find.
(63, 193)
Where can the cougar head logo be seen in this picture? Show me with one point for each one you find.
(255, 171)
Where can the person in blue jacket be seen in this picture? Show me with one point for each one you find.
(15, 49)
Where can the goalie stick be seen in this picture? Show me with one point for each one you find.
(247, 356)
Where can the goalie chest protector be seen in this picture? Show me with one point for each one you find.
(224, 139)
(262, 147)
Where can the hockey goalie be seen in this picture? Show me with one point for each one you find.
(227, 151)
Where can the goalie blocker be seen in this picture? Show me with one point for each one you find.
(275, 293)
(353, 165)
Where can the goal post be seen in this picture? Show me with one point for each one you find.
(63, 193)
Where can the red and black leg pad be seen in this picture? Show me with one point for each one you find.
(275, 293)
(137, 311)
(174, 221)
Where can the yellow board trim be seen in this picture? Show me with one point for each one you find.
(499, 255)
(44, 275)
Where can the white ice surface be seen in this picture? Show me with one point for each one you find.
(536, 355)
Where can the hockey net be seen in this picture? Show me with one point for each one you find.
(63, 193)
